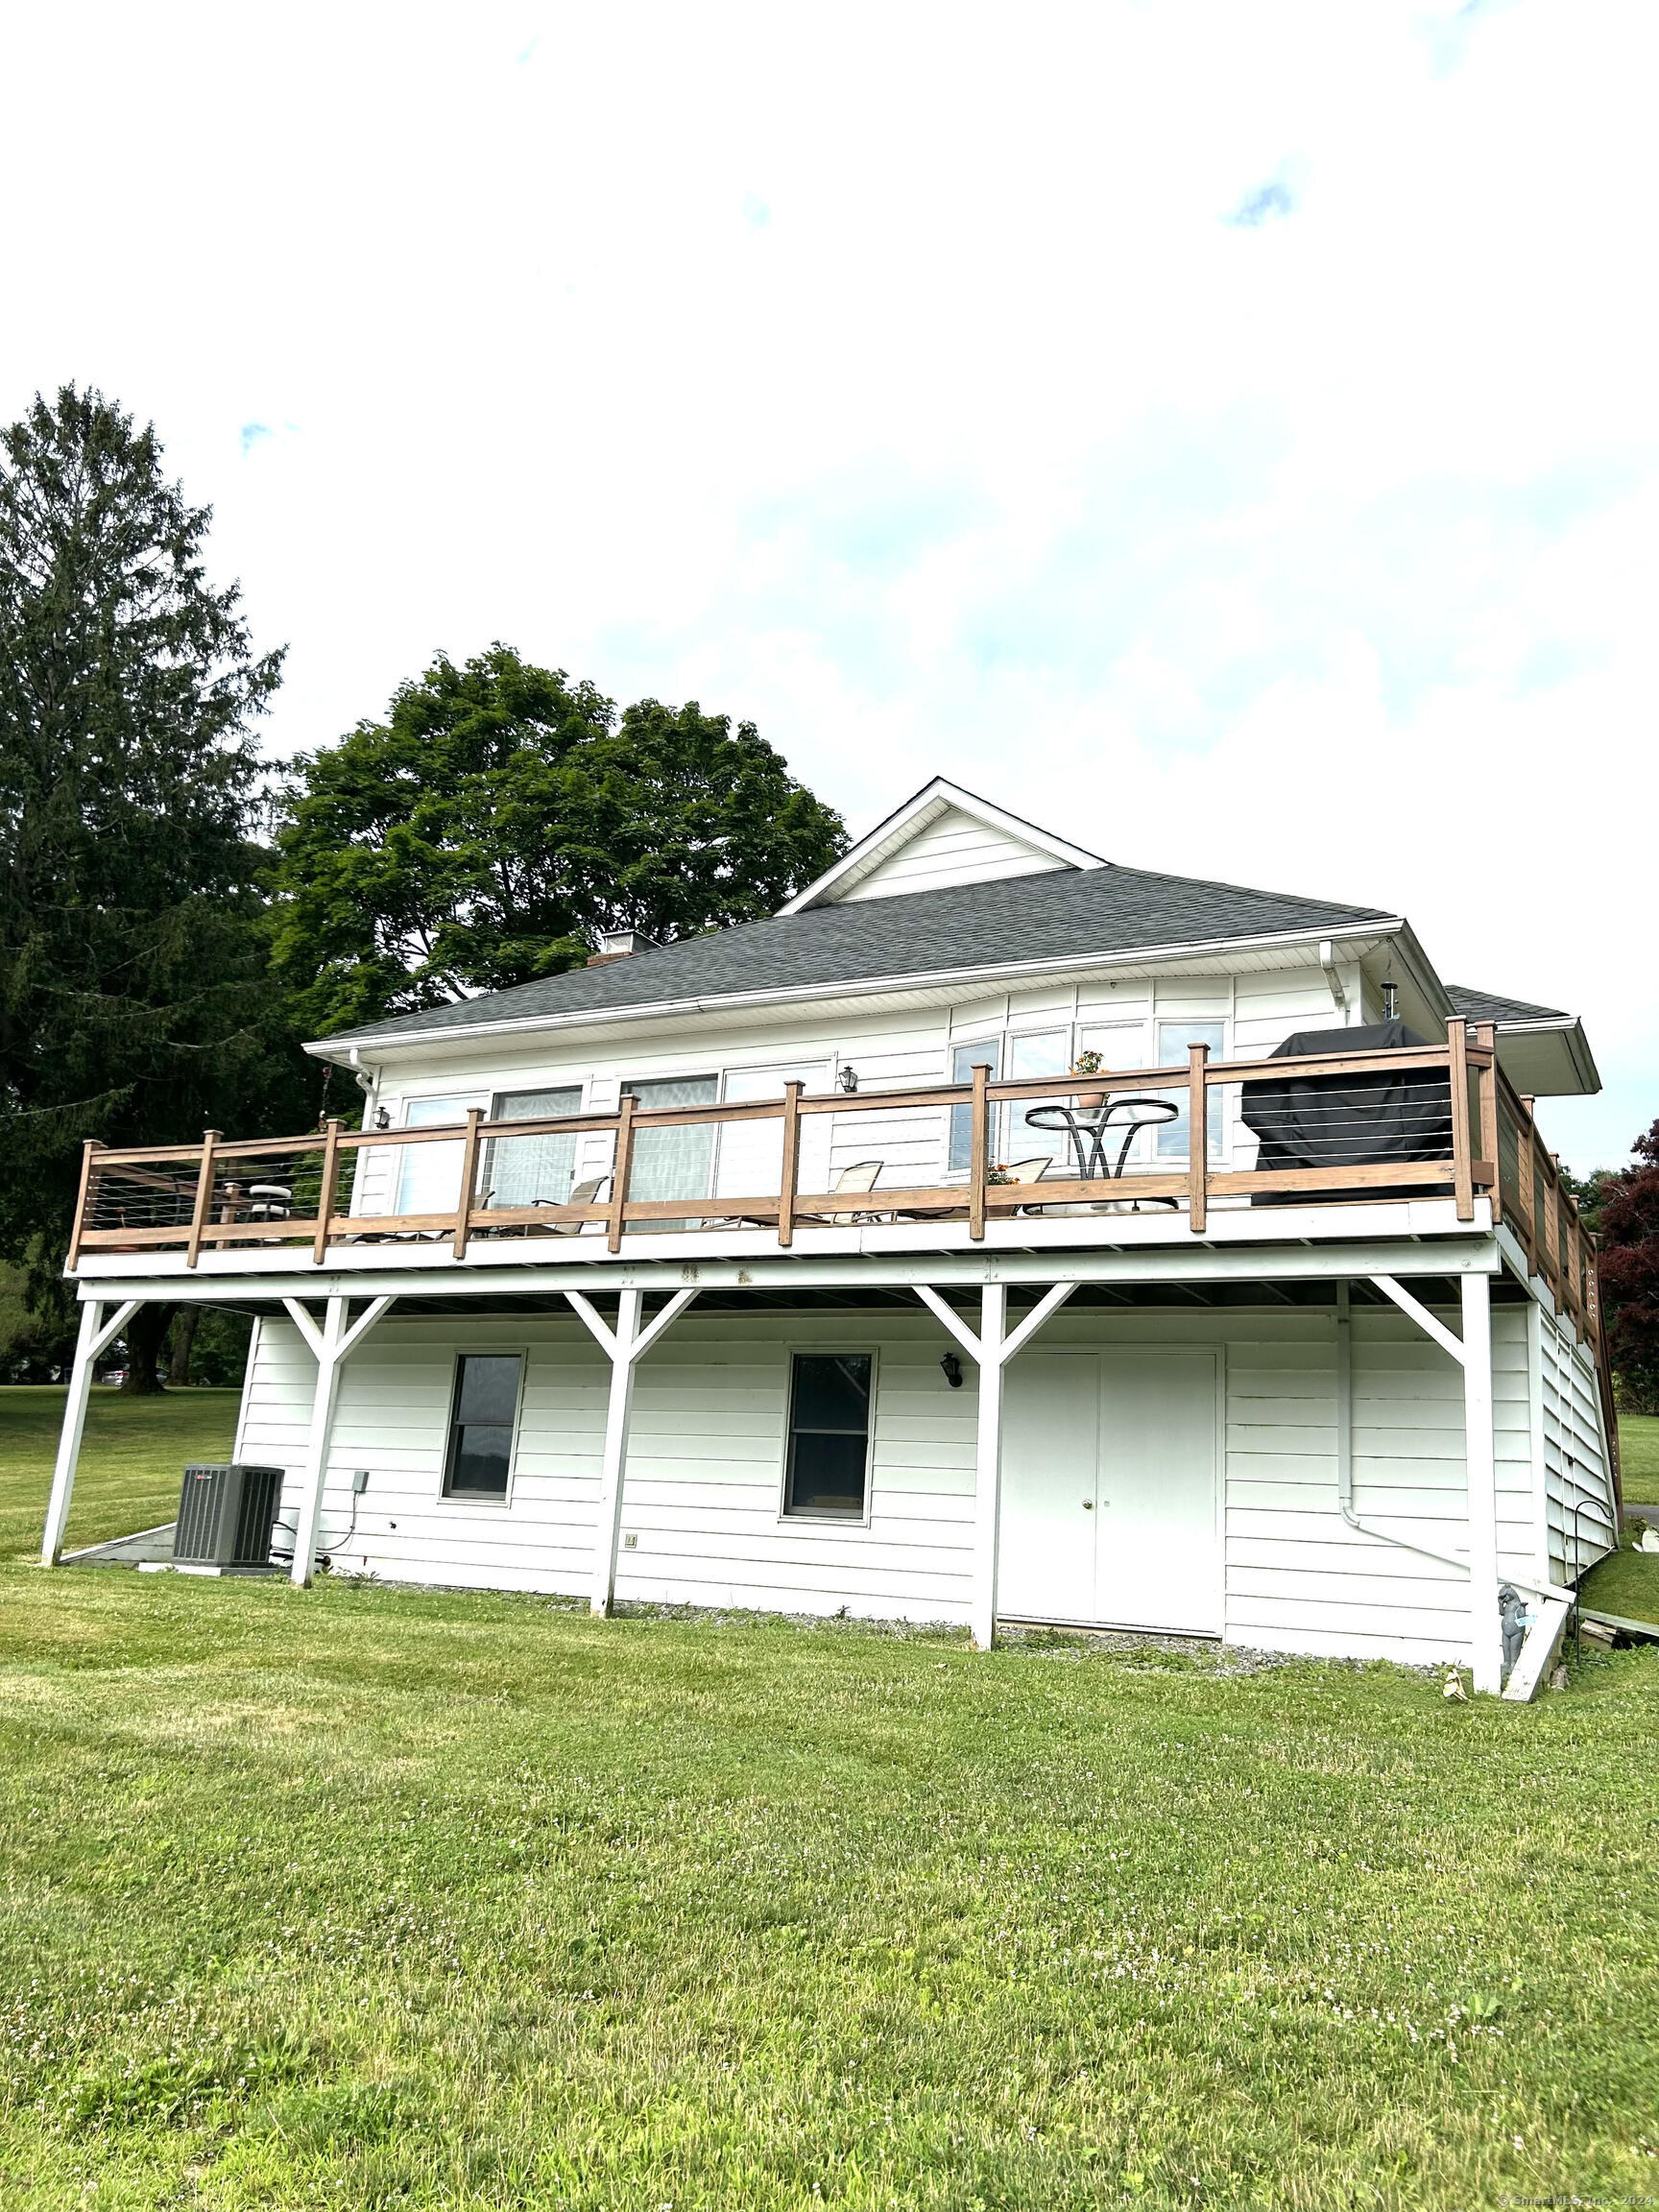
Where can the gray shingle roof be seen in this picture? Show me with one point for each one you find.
(1060, 915)
(1487, 1006)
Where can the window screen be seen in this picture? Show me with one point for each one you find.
(532, 1170)
(481, 1425)
(828, 1433)
(674, 1162)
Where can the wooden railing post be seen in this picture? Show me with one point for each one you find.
(1552, 1228)
(621, 1170)
(1457, 1075)
(469, 1176)
(979, 1150)
(91, 1144)
(789, 1173)
(1486, 1090)
(325, 1196)
(1197, 1139)
(204, 1196)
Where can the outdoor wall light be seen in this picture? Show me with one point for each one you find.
(952, 1367)
(847, 1078)
(382, 1118)
(1390, 1001)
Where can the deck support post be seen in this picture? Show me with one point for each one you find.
(96, 1334)
(332, 1345)
(988, 1462)
(989, 1349)
(1480, 1456)
(624, 1346)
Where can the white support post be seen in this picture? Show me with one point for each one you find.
(96, 1334)
(988, 1462)
(333, 1345)
(624, 1346)
(991, 1351)
(1485, 1631)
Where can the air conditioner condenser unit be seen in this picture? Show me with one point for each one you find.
(225, 1517)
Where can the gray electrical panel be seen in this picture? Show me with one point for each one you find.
(226, 1516)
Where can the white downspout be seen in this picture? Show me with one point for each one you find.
(1345, 1464)
(1334, 976)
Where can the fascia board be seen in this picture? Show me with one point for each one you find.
(934, 799)
(1568, 1029)
(375, 1050)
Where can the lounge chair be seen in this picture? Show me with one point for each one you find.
(860, 1176)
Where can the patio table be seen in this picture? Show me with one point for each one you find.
(1088, 1127)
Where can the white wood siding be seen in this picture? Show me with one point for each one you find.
(704, 1481)
(955, 849)
(889, 1050)
(1578, 1486)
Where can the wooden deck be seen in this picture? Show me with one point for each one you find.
(297, 1191)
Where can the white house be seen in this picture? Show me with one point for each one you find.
(693, 1275)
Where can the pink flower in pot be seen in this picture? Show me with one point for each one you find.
(1088, 1064)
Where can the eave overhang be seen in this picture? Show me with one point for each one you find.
(1357, 938)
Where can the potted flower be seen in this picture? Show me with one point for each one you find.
(998, 1172)
(1089, 1063)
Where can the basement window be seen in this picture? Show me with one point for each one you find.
(481, 1421)
(828, 1470)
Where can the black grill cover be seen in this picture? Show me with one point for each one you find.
(1357, 1120)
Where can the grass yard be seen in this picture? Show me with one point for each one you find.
(132, 1461)
(1639, 1456)
(361, 1897)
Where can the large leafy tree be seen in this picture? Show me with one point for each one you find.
(132, 1000)
(501, 816)
(1628, 1227)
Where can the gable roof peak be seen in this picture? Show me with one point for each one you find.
(919, 814)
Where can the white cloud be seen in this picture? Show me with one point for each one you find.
(897, 378)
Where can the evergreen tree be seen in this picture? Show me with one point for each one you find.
(502, 815)
(133, 1005)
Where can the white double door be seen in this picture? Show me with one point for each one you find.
(1111, 1489)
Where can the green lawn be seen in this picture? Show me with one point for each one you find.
(132, 1460)
(359, 1897)
(1639, 1456)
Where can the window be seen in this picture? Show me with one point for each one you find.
(752, 1152)
(429, 1175)
(532, 1170)
(1046, 1054)
(480, 1453)
(1173, 1038)
(673, 1163)
(964, 1058)
(828, 1458)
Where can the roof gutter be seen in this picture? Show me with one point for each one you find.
(866, 986)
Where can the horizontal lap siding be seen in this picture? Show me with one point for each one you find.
(705, 1460)
(704, 1489)
(956, 849)
(705, 1465)
(1578, 1488)
(1299, 1578)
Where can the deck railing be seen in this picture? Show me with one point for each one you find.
(299, 1189)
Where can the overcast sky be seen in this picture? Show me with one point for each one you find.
(1223, 433)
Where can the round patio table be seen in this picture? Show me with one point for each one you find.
(1089, 1126)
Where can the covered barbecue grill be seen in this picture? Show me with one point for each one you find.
(1367, 1118)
